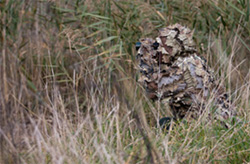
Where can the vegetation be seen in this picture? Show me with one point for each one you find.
(69, 91)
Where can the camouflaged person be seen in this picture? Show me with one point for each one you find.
(172, 71)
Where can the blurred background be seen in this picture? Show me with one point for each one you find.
(69, 91)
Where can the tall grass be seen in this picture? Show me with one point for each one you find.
(69, 91)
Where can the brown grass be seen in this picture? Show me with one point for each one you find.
(69, 91)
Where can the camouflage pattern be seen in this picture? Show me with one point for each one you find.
(172, 71)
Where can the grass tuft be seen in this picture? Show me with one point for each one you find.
(69, 91)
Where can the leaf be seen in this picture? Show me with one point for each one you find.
(64, 10)
(248, 11)
(119, 7)
(236, 8)
(95, 16)
(31, 85)
(105, 40)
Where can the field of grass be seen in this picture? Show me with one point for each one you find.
(69, 90)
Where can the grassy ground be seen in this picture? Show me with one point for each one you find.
(69, 91)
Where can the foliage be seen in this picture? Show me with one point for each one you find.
(69, 91)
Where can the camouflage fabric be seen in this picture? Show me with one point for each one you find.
(172, 71)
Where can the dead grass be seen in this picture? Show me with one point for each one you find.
(69, 91)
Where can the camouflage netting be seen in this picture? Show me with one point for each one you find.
(172, 71)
